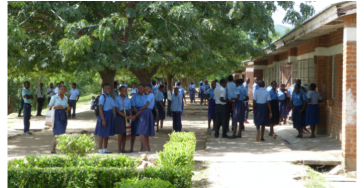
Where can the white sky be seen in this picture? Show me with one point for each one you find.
(319, 5)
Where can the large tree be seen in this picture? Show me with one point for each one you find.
(140, 36)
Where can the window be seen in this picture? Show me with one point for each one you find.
(333, 78)
(294, 71)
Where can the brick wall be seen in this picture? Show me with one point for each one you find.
(258, 73)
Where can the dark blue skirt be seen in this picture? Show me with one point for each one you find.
(60, 122)
(120, 125)
(192, 94)
(275, 112)
(161, 113)
(239, 112)
(297, 118)
(146, 123)
(282, 109)
(109, 129)
(261, 115)
(135, 124)
(200, 95)
(313, 114)
(212, 106)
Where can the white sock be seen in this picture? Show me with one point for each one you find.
(101, 150)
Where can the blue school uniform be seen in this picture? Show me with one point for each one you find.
(282, 104)
(212, 104)
(181, 93)
(176, 107)
(201, 90)
(108, 105)
(120, 123)
(192, 91)
(161, 112)
(137, 101)
(261, 110)
(239, 105)
(313, 110)
(299, 120)
(60, 116)
(146, 122)
(274, 106)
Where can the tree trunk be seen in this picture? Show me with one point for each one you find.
(11, 100)
(170, 80)
(108, 76)
(144, 75)
(163, 79)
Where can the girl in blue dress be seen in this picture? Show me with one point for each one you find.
(202, 90)
(59, 103)
(137, 102)
(239, 108)
(282, 97)
(146, 121)
(192, 92)
(298, 99)
(209, 95)
(105, 125)
(122, 102)
(313, 110)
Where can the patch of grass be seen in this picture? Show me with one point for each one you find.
(315, 180)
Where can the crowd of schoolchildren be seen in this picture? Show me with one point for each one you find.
(227, 99)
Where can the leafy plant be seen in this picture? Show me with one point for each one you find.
(76, 144)
(144, 183)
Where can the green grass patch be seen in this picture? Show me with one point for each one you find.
(315, 180)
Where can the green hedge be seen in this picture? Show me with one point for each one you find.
(145, 183)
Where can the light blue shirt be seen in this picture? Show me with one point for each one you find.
(116, 92)
(155, 90)
(246, 86)
(176, 105)
(181, 91)
(314, 96)
(109, 103)
(210, 92)
(192, 87)
(73, 94)
(56, 101)
(297, 100)
(159, 96)
(151, 100)
(26, 91)
(138, 101)
(202, 88)
(273, 94)
(255, 87)
(207, 87)
(261, 96)
(281, 95)
(132, 90)
(119, 103)
(269, 88)
(290, 90)
(230, 90)
(241, 91)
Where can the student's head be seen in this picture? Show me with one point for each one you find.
(74, 85)
(178, 83)
(201, 79)
(154, 82)
(61, 82)
(41, 85)
(26, 84)
(298, 81)
(115, 84)
(261, 83)
(161, 88)
(134, 85)
(58, 84)
(256, 80)
(213, 84)
(93, 97)
(51, 85)
(140, 89)
(191, 83)
(297, 88)
(312, 86)
(106, 88)
(230, 78)
(165, 83)
(201, 84)
(148, 88)
(223, 82)
(62, 89)
(247, 80)
(239, 82)
(176, 91)
(122, 90)
(282, 86)
(206, 82)
(273, 84)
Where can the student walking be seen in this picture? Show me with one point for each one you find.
(262, 110)
(27, 97)
(182, 94)
(50, 92)
(192, 92)
(123, 113)
(298, 112)
(73, 96)
(160, 106)
(230, 93)
(246, 86)
(221, 113)
(146, 121)
(283, 97)
(209, 94)
(105, 125)
(239, 108)
(40, 94)
(137, 102)
(274, 120)
(59, 103)
(313, 110)
(176, 110)
(169, 97)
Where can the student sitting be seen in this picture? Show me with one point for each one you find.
(176, 110)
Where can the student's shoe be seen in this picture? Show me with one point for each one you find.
(262, 139)
(37, 115)
(246, 121)
(20, 116)
(101, 151)
(27, 133)
(225, 136)
(107, 151)
(258, 136)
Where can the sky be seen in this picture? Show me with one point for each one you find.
(318, 5)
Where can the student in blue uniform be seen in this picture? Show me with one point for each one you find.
(192, 92)
(239, 108)
(59, 102)
(27, 96)
(313, 110)
(169, 97)
(123, 113)
(137, 102)
(262, 110)
(201, 90)
(246, 86)
(146, 121)
(274, 107)
(160, 106)
(165, 94)
(212, 105)
(105, 125)
(282, 97)
(230, 93)
(154, 111)
(298, 113)
(182, 94)
(133, 90)
(176, 110)
(73, 96)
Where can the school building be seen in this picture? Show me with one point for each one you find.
(321, 51)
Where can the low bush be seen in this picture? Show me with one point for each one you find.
(76, 144)
(148, 183)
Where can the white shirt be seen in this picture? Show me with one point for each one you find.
(55, 91)
(231, 88)
(40, 93)
(73, 94)
(219, 92)
(261, 96)
(169, 95)
(314, 96)
(132, 90)
(49, 90)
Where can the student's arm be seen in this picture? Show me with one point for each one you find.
(101, 107)
(141, 109)
(236, 98)
(304, 102)
(246, 98)
(270, 109)
(164, 109)
(286, 92)
(121, 113)
(130, 115)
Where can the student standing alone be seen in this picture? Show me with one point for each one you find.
(313, 110)
(176, 110)
(262, 110)
(73, 96)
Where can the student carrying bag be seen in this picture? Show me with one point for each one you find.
(96, 104)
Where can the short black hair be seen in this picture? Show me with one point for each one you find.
(115, 83)
(41, 84)
(230, 78)
(93, 96)
(140, 85)
(201, 84)
(153, 82)
(74, 84)
(58, 83)
(105, 84)
(222, 81)
(272, 82)
(282, 84)
(178, 83)
(239, 81)
(121, 88)
(176, 88)
(261, 83)
(165, 83)
(313, 86)
(62, 86)
(148, 85)
(26, 82)
(161, 86)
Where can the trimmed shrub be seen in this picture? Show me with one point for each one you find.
(76, 144)
(149, 183)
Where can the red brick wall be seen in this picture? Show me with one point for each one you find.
(270, 60)
(283, 56)
(258, 73)
(263, 62)
(292, 52)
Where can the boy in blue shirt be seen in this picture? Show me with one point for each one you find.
(73, 98)
(160, 106)
(176, 109)
(27, 96)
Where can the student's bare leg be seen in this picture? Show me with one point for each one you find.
(132, 143)
(258, 133)
(271, 132)
(162, 124)
(213, 124)
(157, 125)
(106, 140)
(262, 132)
(54, 144)
(280, 120)
(101, 139)
(148, 146)
(284, 120)
(144, 142)
(120, 138)
(234, 129)
(241, 125)
(209, 123)
(313, 131)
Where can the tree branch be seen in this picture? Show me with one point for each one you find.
(56, 15)
(27, 18)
